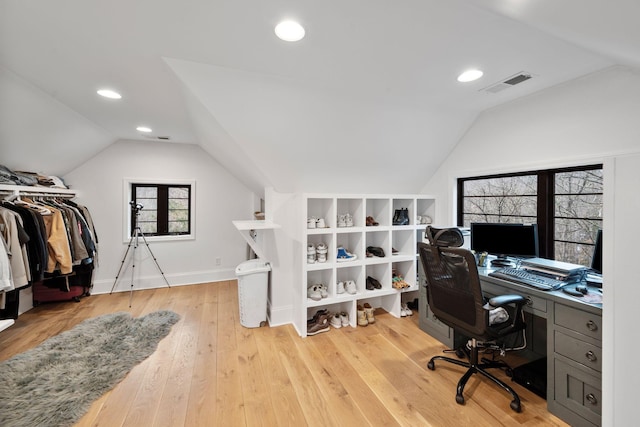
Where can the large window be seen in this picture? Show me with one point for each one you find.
(565, 203)
(166, 209)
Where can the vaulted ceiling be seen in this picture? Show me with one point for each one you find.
(367, 101)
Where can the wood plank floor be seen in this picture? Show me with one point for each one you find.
(211, 371)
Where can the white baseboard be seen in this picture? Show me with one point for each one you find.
(104, 286)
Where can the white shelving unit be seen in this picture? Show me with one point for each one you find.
(356, 239)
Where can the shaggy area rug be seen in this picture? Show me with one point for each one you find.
(55, 383)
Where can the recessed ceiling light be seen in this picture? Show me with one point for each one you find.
(108, 93)
(289, 31)
(469, 76)
(143, 129)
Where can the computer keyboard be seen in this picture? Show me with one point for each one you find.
(528, 278)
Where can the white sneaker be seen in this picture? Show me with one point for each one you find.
(403, 313)
(348, 220)
(321, 251)
(340, 288)
(335, 321)
(342, 220)
(311, 254)
(311, 222)
(344, 318)
(407, 310)
(320, 223)
(324, 291)
(314, 293)
(350, 287)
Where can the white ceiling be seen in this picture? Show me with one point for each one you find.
(367, 101)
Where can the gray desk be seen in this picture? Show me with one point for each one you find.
(562, 328)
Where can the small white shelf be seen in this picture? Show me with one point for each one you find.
(255, 225)
(246, 226)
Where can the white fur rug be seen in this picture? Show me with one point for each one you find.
(55, 383)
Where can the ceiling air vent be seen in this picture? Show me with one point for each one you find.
(508, 82)
(164, 138)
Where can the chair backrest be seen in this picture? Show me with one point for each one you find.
(453, 286)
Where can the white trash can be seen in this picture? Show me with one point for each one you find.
(253, 281)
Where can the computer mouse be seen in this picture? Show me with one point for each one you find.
(582, 289)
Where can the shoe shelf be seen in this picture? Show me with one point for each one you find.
(348, 223)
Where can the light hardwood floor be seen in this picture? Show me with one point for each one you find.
(211, 371)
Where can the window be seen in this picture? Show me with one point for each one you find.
(165, 209)
(565, 203)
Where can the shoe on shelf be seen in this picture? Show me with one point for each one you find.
(344, 318)
(324, 291)
(335, 321)
(394, 251)
(406, 309)
(376, 251)
(311, 254)
(371, 222)
(373, 283)
(317, 315)
(344, 255)
(351, 288)
(321, 325)
(321, 252)
(342, 220)
(314, 292)
(362, 317)
(312, 222)
(369, 313)
(320, 223)
(340, 288)
(348, 220)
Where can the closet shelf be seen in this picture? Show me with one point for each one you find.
(24, 190)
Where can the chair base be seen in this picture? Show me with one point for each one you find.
(477, 368)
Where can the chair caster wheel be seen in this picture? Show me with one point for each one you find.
(509, 372)
(460, 353)
(460, 399)
(431, 365)
(515, 406)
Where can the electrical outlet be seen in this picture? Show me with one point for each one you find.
(218, 261)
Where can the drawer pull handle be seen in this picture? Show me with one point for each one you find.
(591, 399)
(529, 301)
(591, 356)
(592, 326)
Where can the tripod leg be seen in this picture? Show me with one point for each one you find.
(133, 266)
(122, 263)
(154, 258)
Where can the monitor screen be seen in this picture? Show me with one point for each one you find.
(503, 240)
(596, 261)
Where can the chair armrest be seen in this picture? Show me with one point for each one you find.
(502, 300)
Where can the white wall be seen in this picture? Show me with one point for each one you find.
(220, 198)
(591, 119)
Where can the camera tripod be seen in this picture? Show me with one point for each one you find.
(135, 241)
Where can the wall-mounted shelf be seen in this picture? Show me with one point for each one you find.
(246, 226)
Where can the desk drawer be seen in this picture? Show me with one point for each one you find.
(578, 391)
(582, 352)
(585, 323)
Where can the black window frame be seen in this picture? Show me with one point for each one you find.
(162, 219)
(545, 216)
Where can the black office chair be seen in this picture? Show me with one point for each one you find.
(455, 298)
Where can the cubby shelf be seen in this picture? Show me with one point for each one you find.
(356, 239)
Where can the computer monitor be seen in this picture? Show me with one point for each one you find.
(596, 260)
(505, 240)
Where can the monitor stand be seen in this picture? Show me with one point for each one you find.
(501, 261)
